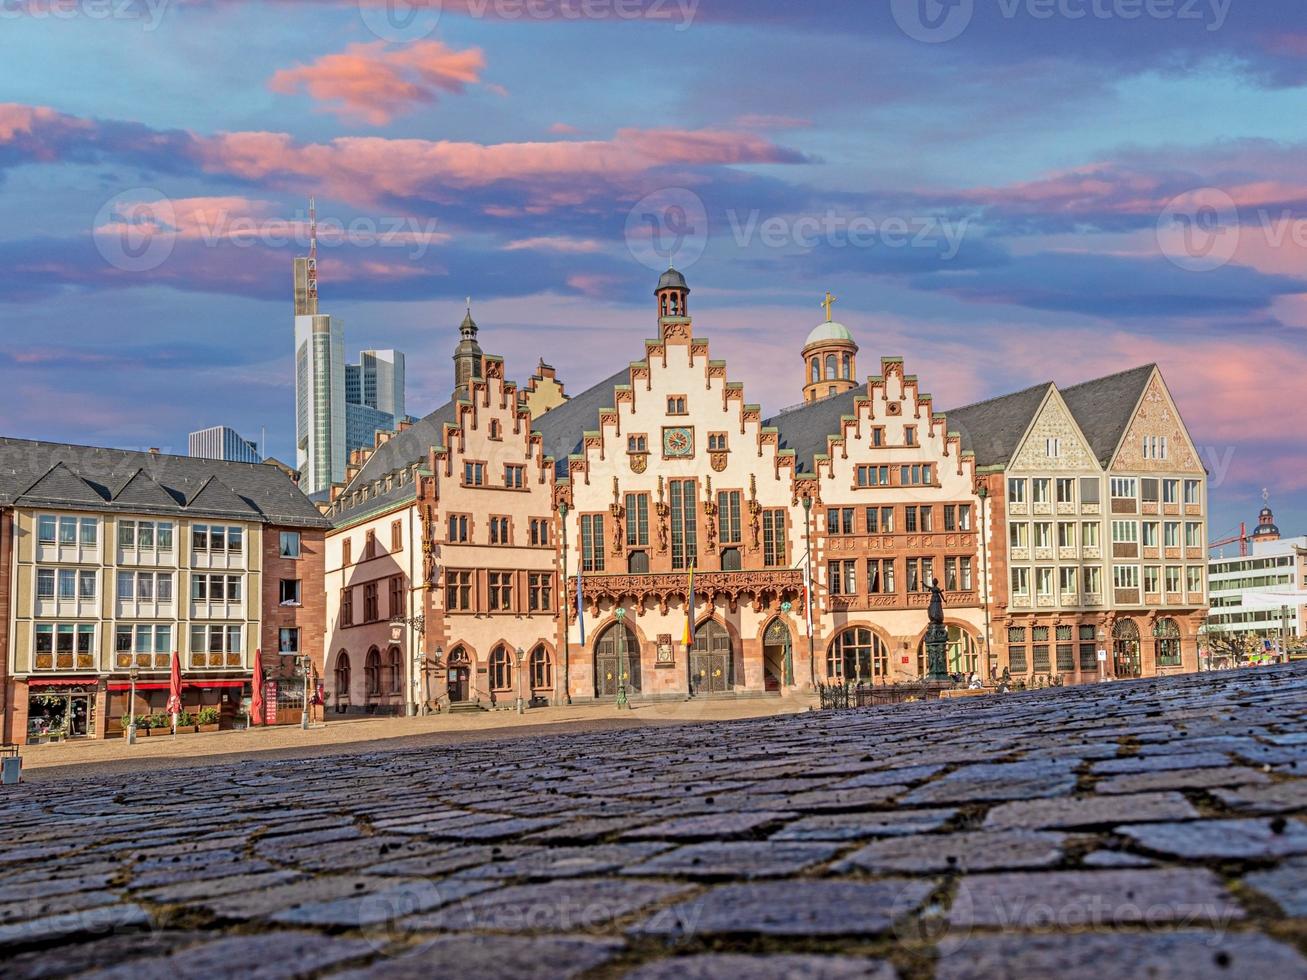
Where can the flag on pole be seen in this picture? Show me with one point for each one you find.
(688, 637)
(580, 607)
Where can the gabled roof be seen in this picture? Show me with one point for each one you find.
(61, 483)
(806, 429)
(63, 476)
(216, 498)
(1104, 407)
(402, 451)
(563, 428)
(993, 429)
(140, 490)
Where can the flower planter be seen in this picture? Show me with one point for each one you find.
(204, 729)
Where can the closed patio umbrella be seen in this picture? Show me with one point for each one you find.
(256, 698)
(175, 690)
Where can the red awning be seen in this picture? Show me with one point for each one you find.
(60, 681)
(164, 685)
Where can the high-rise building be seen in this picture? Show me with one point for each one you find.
(338, 407)
(1260, 594)
(223, 442)
(319, 401)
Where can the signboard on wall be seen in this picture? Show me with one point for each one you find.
(270, 702)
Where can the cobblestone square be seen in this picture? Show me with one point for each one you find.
(1150, 828)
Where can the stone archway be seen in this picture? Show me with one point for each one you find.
(712, 659)
(777, 655)
(1125, 649)
(617, 656)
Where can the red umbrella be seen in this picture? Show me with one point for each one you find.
(256, 700)
(175, 685)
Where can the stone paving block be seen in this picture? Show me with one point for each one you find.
(1271, 798)
(1161, 763)
(450, 859)
(583, 831)
(1093, 899)
(195, 889)
(1182, 955)
(279, 898)
(34, 908)
(1285, 885)
(568, 862)
(978, 851)
(566, 905)
(270, 956)
(713, 826)
(997, 781)
(804, 907)
(506, 958)
(1115, 859)
(857, 799)
(727, 966)
(1240, 838)
(385, 905)
(1143, 782)
(859, 826)
(75, 958)
(53, 929)
(1071, 812)
(908, 775)
(737, 859)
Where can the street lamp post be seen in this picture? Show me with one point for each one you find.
(807, 589)
(131, 708)
(622, 702)
(983, 537)
(398, 625)
(1102, 652)
(521, 704)
(305, 665)
(563, 601)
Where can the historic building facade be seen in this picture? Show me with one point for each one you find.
(442, 577)
(1104, 506)
(114, 560)
(655, 536)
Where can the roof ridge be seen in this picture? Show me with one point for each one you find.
(999, 398)
(1108, 377)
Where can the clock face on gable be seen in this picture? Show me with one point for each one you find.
(678, 442)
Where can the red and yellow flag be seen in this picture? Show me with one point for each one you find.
(688, 638)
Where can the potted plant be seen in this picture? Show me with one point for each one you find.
(160, 724)
(209, 718)
(186, 722)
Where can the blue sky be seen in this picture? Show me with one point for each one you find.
(999, 207)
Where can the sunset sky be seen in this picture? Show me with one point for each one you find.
(1001, 191)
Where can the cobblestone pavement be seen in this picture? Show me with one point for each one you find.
(1142, 829)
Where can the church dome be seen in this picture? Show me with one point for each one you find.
(829, 332)
(1266, 524)
(671, 279)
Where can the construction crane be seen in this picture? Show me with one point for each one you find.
(1242, 538)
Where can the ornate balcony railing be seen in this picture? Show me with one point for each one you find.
(761, 586)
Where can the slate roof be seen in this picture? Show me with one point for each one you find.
(805, 429)
(563, 428)
(402, 451)
(993, 429)
(62, 476)
(1103, 407)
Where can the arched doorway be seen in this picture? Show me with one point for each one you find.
(1167, 634)
(712, 664)
(460, 675)
(342, 681)
(777, 655)
(1125, 648)
(858, 655)
(960, 656)
(617, 655)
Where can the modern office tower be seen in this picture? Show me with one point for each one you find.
(223, 442)
(319, 401)
(381, 377)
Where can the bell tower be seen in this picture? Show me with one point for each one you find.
(467, 355)
(1266, 529)
(673, 296)
(830, 358)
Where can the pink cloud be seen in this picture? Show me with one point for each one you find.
(374, 82)
(554, 243)
(563, 129)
